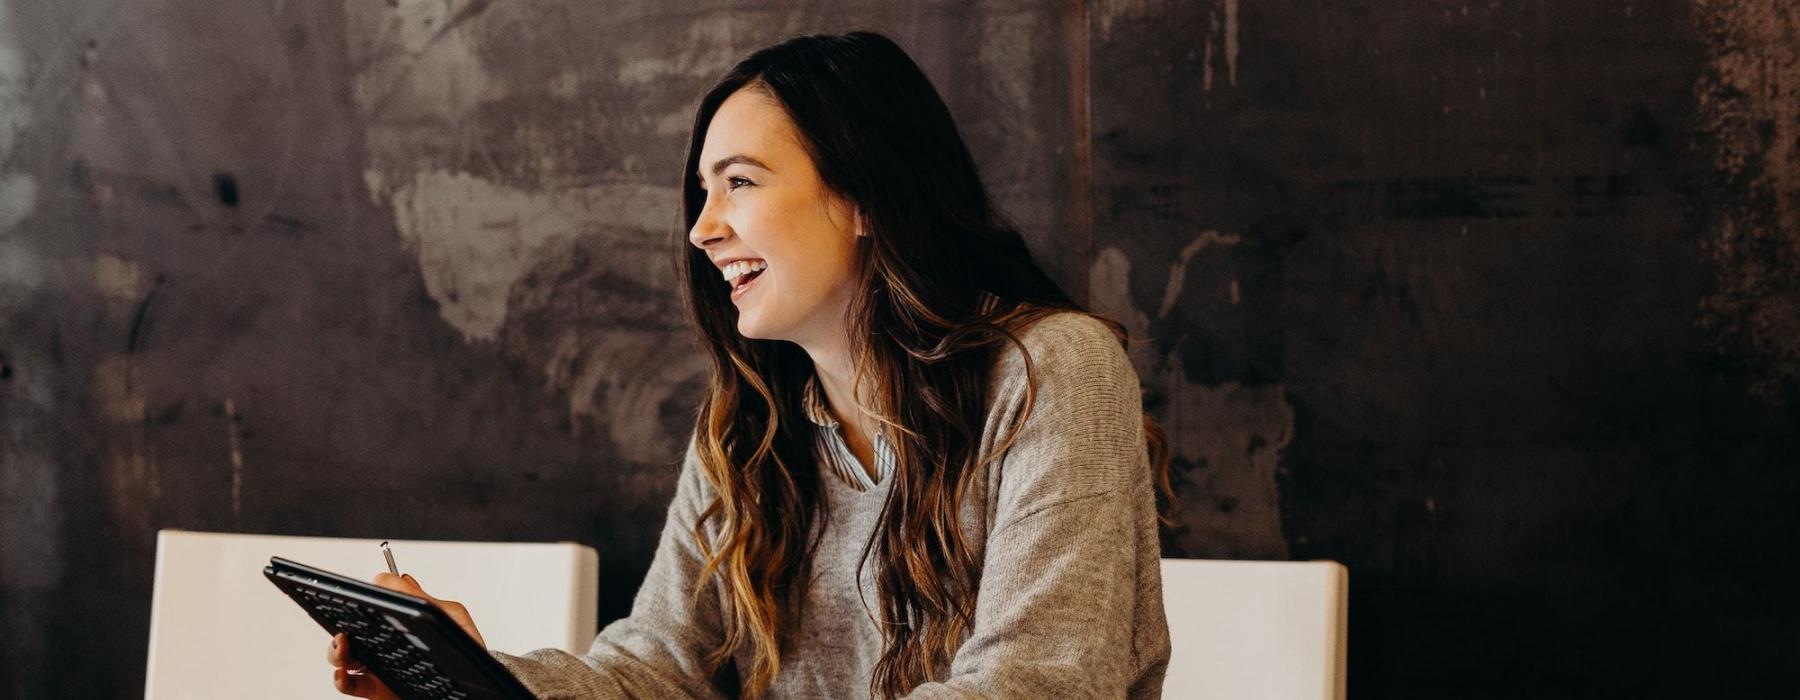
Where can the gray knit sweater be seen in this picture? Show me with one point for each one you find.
(1070, 601)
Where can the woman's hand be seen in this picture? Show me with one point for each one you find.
(353, 678)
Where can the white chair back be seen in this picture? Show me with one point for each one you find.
(1256, 630)
(219, 629)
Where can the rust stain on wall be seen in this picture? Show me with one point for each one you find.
(1749, 104)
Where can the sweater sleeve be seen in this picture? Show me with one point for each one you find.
(1063, 575)
(660, 649)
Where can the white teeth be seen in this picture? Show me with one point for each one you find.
(740, 268)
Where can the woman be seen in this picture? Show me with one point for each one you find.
(920, 469)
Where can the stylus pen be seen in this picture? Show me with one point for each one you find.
(395, 570)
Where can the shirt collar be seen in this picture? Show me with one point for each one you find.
(813, 400)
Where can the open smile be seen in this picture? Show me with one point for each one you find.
(742, 275)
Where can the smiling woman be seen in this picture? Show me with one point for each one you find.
(920, 468)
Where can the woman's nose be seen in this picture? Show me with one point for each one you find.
(705, 240)
(708, 228)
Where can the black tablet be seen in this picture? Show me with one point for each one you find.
(406, 641)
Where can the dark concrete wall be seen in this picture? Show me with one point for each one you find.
(1494, 302)
(1497, 303)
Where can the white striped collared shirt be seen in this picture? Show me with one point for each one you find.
(837, 453)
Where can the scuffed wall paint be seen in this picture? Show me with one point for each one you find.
(134, 484)
(1749, 104)
(1467, 259)
(416, 64)
(1106, 12)
(32, 557)
(1178, 269)
(533, 227)
(20, 268)
(414, 61)
(474, 238)
(698, 53)
(18, 191)
(1218, 40)
(595, 314)
(117, 279)
(1225, 28)
(1226, 439)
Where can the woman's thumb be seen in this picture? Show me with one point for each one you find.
(413, 584)
(403, 583)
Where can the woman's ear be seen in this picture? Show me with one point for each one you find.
(862, 224)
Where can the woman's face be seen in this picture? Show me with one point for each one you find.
(782, 240)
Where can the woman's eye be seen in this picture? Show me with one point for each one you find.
(732, 182)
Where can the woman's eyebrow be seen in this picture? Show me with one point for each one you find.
(727, 161)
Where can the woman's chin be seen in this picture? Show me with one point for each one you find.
(748, 327)
(754, 327)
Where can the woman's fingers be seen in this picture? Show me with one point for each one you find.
(338, 653)
(350, 676)
(362, 685)
(405, 583)
(346, 683)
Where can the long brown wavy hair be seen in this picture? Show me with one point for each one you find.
(946, 283)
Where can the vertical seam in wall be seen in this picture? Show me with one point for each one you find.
(1081, 193)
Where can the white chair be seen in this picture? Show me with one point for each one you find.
(219, 629)
(1256, 630)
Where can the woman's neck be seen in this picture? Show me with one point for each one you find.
(837, 375)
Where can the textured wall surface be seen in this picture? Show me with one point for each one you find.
(1494, 302)
(1498, 303)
